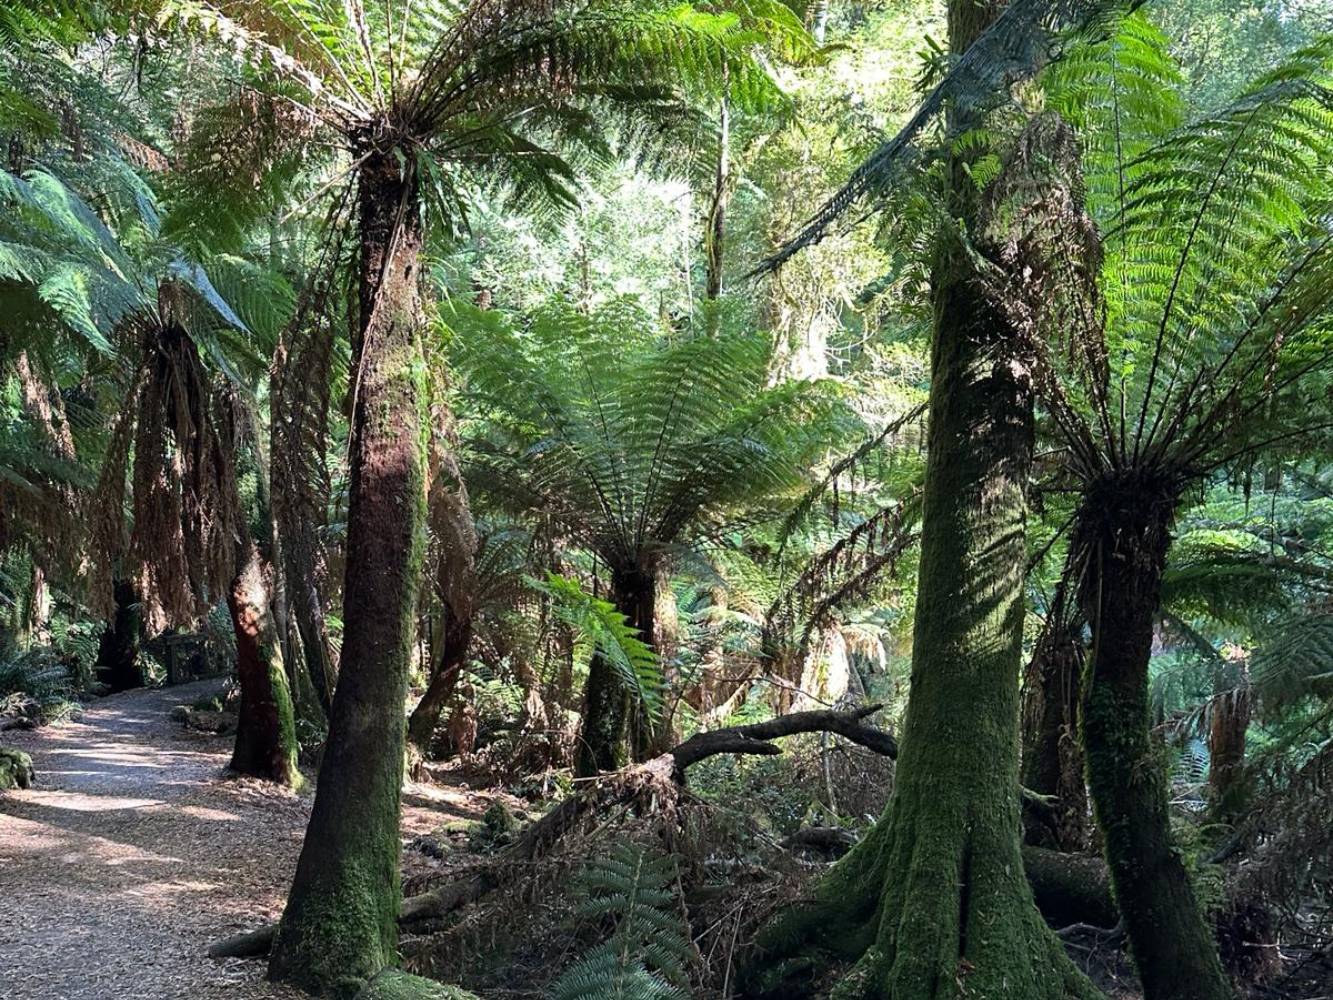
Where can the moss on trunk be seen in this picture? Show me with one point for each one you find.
(607, 741)
(340, 924)
(1123, 525)
(934, 902)
(266, 744)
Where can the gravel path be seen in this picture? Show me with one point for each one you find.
(134, 852)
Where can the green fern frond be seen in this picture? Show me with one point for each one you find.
(1297, 664)
(648, 950)
(599, 623)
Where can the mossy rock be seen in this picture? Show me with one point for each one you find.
(15, 769)
(204, 720)
(395, 985)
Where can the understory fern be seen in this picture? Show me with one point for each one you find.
(645, 956)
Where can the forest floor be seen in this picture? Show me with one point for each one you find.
(134, 851)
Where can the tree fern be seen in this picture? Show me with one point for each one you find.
(1295, 665)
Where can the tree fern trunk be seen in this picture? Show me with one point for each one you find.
(118, 665)
(340, 922)
(1125, 530)
(1052, 753)
(266, 745)
(605, 738)
(425, 717)
(933, 903)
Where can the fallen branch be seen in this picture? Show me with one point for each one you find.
(753, 739)
(656, 781)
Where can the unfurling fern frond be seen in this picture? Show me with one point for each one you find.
(648, 950)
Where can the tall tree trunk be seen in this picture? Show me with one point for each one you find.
(266, 744)
(1230, 710)
(118, 665)
(1124, 528)
(340, 924)
(421, 724)
(1052, 753)
(933, 903)
(716, 234)
(604, 741)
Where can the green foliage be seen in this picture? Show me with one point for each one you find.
(598, 624)
(36, 685)
(631, 438)
(648, 950)
(1295, 665)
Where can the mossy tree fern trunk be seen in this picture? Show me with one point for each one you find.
(604, 740)
(933, 903)
(266, 745)
(339, 927)
(1125, 529)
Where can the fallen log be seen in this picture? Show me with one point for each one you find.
(658, 780)
(1070, 888)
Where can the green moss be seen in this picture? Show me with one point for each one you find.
(15, 769)
(394, 985)
(340, 933)
(287, 740)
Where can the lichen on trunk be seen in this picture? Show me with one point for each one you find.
(340, 924)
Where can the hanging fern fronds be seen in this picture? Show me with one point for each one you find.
(1295, 665)
(1026, 37)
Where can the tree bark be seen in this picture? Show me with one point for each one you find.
(1231, 708)
(605, 740)
(1124, 527)
(1052, 754)
(933, 902)
(340, 923)
(266, 744)
(118, 663)
(421, 724)
(715, 237)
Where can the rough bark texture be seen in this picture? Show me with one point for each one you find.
(340, 924)
(1231, 708)
(266, 744)
(605, 739)
(1124, 527)
(1052, 754)
(933, 903)
(118, 664)
(425, 717)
